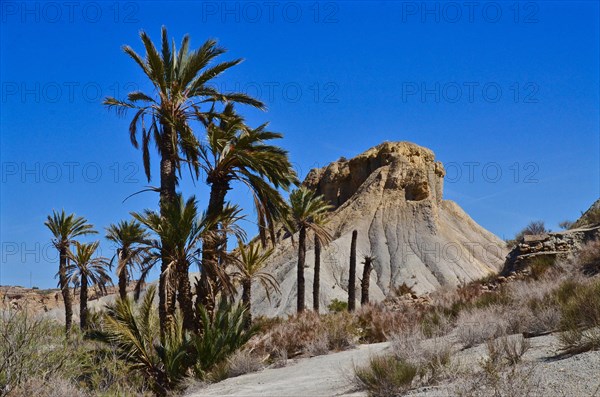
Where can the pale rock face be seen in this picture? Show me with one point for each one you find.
(391, 194)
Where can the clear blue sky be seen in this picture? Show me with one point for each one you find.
(505, 93)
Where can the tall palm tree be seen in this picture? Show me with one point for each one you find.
(85, 271)
(306, 212)
(132, 241)
(181, 80)
(235, 152)
(65, 228)
(250, 264)
(317, 276)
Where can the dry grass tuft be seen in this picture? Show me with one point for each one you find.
(385, 376)
(244, 361)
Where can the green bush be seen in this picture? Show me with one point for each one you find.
(337, 306)
(385, 376)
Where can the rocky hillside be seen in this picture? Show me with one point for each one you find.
(549, 247)
(392, 195)
(590, 217)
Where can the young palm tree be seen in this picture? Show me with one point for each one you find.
(131, 240)
(249, 265)
(181, 233)
(181, 81)
(235, 152)
(134, 332)
(307, 212)
(85, 271)
(65, 228)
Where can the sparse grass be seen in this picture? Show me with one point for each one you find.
(310, 334)
(580, 318)
(477, 325)
(589, 258)
(379, 324)
(539, 265)
(506, 350)
(244, 361)
(37, 360)
(500, 372)
(385, 376)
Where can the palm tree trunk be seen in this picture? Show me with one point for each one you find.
(301, 259)
(246, 297)
(317, 278)
(364, 284)
(168, 195)
(122, 277)
(210, 257)
(352, 275)
(185, 300)
(64, 288)
(83, 298)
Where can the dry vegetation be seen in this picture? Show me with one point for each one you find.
(564, 298)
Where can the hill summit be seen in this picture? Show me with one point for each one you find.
(392, 194)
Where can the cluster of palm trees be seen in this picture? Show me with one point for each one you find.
(193, 126)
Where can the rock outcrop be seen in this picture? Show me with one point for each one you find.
(553, 246)
(392, 195)
(550, 247)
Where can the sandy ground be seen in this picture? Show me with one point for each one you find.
(330, 375)
(327, 375)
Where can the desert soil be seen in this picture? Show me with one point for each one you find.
(331, 375)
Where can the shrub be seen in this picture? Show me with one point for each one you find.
(341, 331)
(580, 318)
(539, 265)
(506, 350)
(437, 322)
(433, 362)
(291, 338)
(566, 224)
(589, 258)
(403, 289)
(385, 376)
(379, 324)
(34, 353)
(337, 306)
(311, 334)
(476, 326)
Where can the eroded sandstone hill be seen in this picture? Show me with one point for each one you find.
(391, 194)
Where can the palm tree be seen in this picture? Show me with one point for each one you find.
(352, 273)
(249, 265)
(131, 240)
(85, 271)
(134, 332)
(181, 81)
(307, 212)
(65, 228)
(235, 152)
(317, 277)
(181, 233)
(366, 279)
